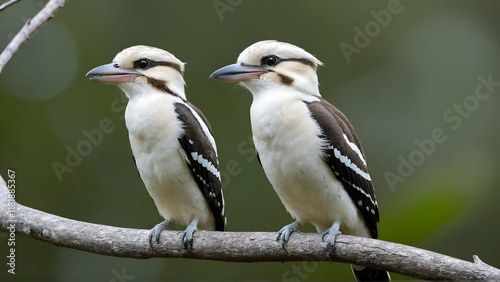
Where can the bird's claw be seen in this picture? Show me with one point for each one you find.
(187, 240)
(187, 236)
(285, 233)
(156, 231)
(331, 234)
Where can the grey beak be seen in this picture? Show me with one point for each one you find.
(237, 72)
(112, 74)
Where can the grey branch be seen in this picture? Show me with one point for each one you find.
(45, 14)
(235, 246)
(7, 4)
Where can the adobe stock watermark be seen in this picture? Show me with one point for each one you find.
(372, 29)
(90, 139)
(300, 272)
(120, 277)
(11, 211)
(223, 6)
(454, 117)
(25, 19)
(233, 167)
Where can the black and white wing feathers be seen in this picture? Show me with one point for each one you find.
(344, 155)
(201, 158)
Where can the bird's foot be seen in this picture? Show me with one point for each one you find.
(330, 234)
(285, 233)
(187, 236)
(156, 231)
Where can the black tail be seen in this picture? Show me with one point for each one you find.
(370, 274)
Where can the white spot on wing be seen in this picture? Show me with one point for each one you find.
(366, 194)
(354, 148)
(374, 202)
(206, 164)
(345, 160)
(202, 161)
(204, 127)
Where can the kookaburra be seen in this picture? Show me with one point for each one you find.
(171, 140)
(307, 147)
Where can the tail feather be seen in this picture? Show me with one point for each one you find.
(370, 274)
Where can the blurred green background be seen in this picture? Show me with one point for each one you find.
(399, 79)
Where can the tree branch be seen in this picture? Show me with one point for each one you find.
(45, 14)
(234, 246)
(7, 4)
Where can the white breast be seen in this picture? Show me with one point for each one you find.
(286, 138)
(153, 131)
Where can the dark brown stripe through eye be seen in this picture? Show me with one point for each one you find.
(172, 65)
(303, 61)
(152, 64)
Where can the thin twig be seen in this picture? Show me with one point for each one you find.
(45, 14)
(7, 4)
(236, 246)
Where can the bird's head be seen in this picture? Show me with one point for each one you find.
(267, 64)
(142, 69)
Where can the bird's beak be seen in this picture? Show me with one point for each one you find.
(112, 74)
(237, 72)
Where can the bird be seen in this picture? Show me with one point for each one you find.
(308, 149)
(172, 142)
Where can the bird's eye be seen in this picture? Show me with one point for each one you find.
(143, 63)
(270, 60)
